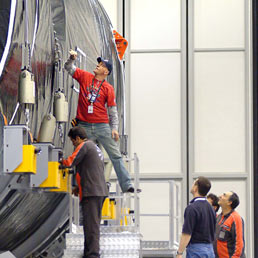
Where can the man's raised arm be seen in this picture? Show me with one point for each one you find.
(69, 64)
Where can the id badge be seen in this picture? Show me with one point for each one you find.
(222, 234)
(90, 109)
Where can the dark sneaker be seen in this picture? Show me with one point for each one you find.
(131, 190)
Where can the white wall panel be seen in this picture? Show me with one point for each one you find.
(155, 110)
(154, 201)
(111, 9)
(218, 90)
(219, 112)
(155, 24)
(219, 23)
(155, 228)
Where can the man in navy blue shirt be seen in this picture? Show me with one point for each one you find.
(199, 223)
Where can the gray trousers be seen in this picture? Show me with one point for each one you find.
(91, 211)
(103, 134)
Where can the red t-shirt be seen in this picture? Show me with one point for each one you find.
(105, 95)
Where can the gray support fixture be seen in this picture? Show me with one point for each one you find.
(55, 154)
(14, 138)
(42, 164)
(48, 153)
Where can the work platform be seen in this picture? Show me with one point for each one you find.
(114, 243)
(120, 235)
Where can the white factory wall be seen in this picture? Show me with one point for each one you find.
(188, 115)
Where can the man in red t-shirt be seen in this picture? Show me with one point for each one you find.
(97, 112)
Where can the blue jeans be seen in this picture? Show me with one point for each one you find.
(200, 251)
(103, 134)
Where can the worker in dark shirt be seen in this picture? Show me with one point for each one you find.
(199, 223)
(89, 163)
(229, 229)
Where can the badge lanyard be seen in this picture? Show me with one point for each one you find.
(93, 96)
(222, 229)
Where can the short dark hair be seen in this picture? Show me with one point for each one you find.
(77, 131)
(234, 199)
(203, 184)
(215, 200)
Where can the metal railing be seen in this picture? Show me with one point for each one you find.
(123, 201)
(163, 248)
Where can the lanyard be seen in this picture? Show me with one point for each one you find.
(221, 222)
(94, 94)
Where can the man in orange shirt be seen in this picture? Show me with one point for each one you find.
(229, 241)
(89, 163)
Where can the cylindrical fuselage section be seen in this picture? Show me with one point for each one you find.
(60, 107)
(47, 129)
(26, 88)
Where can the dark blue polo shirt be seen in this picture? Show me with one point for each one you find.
(199, 221)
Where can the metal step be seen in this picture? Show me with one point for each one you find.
(113, 244)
